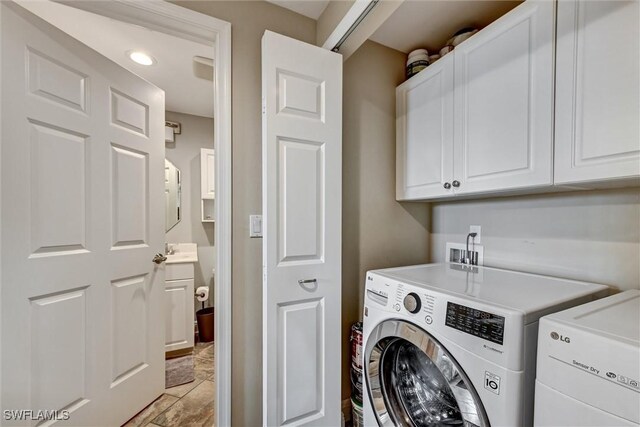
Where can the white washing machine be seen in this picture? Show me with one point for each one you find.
(589, 364)
(447, 344)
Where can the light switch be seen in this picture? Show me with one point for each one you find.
(255, 226)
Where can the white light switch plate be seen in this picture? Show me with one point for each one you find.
(255, 226)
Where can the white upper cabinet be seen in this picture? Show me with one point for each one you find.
(504, 103)
(207, 173)
(597, 135)
(424, 126)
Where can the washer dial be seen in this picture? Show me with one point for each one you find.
(412, 302)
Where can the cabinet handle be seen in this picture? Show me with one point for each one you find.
(456, 183)
(307, 281)
(447, 185)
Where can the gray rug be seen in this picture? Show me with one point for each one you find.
(179, 370)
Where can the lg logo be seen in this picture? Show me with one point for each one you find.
(556, 336)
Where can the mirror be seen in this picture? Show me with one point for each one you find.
(172, 194)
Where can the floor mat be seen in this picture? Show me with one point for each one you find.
(179, 370)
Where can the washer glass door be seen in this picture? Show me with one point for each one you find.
(414, 381)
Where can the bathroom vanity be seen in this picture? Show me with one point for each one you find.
(179, 291)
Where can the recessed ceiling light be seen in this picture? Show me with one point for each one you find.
(141, 57)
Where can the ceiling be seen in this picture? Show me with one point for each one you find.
(186, 83)
(430, 23)
(309, 8)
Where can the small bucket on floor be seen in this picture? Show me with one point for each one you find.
(206, 324)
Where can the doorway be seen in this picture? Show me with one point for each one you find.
(160, 19)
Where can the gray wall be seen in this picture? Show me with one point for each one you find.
(249, 20)
(590, 235)
(197, 132)
(378, 232)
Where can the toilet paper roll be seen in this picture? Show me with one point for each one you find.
(202, 293)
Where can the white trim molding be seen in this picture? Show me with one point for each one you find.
(191, 25)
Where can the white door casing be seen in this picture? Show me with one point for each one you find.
(82, 217)
(597, 133)
(424, 133)
(504, 102)
(302, 182)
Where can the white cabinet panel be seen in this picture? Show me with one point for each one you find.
(207, 173)
(504, 102)
(597, 91)
(179, 314)
(424, 133)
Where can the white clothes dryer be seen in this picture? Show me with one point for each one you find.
(589, 364)
(448, 344)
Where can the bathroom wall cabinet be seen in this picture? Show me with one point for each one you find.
(481, 119)
(179, 311)
(207, 183)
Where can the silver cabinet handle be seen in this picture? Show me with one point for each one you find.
(447, 185)
(456, 183)
(159, 258)
(305, 281)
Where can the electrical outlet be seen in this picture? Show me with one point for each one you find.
(478, 230)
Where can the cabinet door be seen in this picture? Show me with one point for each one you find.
(207, 173)
(424, 127)
(504, 102)
(179, 315)
(597, 103)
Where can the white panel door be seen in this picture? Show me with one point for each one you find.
(504, 102)
(302, 190)
(424, 133)
(597, 91)
(82, 217)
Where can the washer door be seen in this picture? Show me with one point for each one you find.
(412, 380)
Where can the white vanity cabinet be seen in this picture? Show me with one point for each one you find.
(179, 308)
(480, 119)
(597, 135)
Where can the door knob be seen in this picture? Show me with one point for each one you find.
(159, 258)
(456, 183)
(447, 186)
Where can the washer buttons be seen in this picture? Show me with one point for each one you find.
(397, 307)
(428, 319)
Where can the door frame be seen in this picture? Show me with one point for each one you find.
(181, 22)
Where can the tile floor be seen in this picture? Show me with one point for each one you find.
(188, 405)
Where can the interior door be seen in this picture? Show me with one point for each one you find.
(302, 182)
(82, 217)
